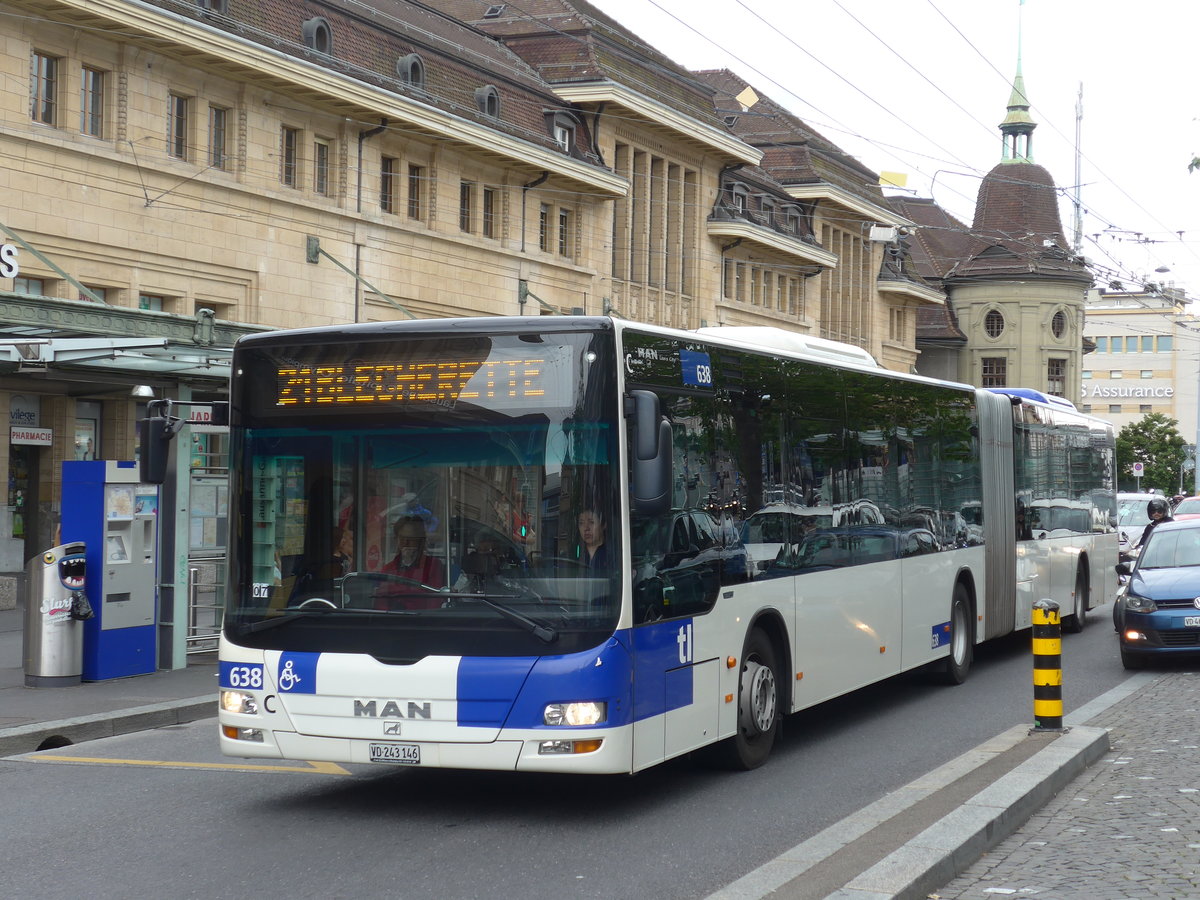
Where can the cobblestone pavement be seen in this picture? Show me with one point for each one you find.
(1126, 829)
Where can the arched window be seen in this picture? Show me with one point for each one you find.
(488, 99)
(411, 70)
(993, 323)
(1058, 325)
(317, 36)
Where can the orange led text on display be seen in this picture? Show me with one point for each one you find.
(419, 382)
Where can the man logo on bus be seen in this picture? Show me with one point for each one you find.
(684, 639)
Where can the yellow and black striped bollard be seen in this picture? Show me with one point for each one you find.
(1047, 667)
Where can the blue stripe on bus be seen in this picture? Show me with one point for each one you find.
(487, 686)
(662, 671)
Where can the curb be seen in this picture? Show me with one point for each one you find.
(29, 738)
(939, 853)
(935, 855)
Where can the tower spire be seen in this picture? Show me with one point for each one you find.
(1016, 130)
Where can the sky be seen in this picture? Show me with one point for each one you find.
(919, 87)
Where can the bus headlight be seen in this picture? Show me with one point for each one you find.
(239, 702)
(583, 713)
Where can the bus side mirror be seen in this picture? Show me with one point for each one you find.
(651, 463)
(155, 436)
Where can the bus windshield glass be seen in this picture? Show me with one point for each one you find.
(425, 494)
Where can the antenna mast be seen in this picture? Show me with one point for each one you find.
(1078, 236)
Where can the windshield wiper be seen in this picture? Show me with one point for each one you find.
(536, 628)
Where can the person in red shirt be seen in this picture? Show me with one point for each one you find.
(411, 562)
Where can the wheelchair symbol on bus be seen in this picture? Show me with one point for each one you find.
(288, 678)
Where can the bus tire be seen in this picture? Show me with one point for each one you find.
(758, 707)
(1074, 623)
(962, 643)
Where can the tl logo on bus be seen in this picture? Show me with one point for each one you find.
(687, 646)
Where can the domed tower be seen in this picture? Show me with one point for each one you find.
(1019, 295)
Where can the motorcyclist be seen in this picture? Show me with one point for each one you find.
(1157, 511)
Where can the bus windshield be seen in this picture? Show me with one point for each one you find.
(426, 495)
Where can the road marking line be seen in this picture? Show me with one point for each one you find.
(312, 768)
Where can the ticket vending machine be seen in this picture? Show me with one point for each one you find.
(106, 506)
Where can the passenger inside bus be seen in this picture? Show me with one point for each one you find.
(423, 575)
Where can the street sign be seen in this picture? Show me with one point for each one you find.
(1138, 470)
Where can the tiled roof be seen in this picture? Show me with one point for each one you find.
(1016, 213)
(571, 41)
(370, 36)
(941, 241)
(794, 152)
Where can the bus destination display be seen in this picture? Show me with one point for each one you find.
(442, 382)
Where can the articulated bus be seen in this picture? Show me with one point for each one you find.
(583, 544)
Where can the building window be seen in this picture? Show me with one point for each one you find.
(35, 287)
(993, 325)
(544, 227)
(466, 207)
(1116, 373)
(177, 126)
(739, 199)
(563, 129)
(1086, 374)
(416, 176)
(387, 184)
(1058, 324)
(564, 232)
(1147, 373)
(1145, 408)
(411, 70)
(101, 293)
(43, 89)
(317, 35)
(793, 222)
(1147, 343)
(218, 137)
(995, 372)
(489, 212)
(1114, 408)
(217, 6)
(321, 166)
(91, 102)
(289, 153)
(897, 325)
(1101, 345)
(1056, 377)
(488, 99)
(1086, 408)
(155, 302)
(1165, 343)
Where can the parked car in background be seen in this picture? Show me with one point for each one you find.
(1158, 612)
(1132, 518)
(1187, 508)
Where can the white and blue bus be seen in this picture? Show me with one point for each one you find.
(524, 543)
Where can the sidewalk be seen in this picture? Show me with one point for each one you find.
(1126, 829)
(62, 715)
(1061, 816)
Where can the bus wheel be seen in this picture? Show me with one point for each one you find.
(1073, 624)
(758, 707)
(958, 663)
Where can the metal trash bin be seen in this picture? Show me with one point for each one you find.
(54, 609)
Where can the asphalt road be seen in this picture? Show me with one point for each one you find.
(162, 814)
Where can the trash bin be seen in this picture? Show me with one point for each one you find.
(55, 606)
